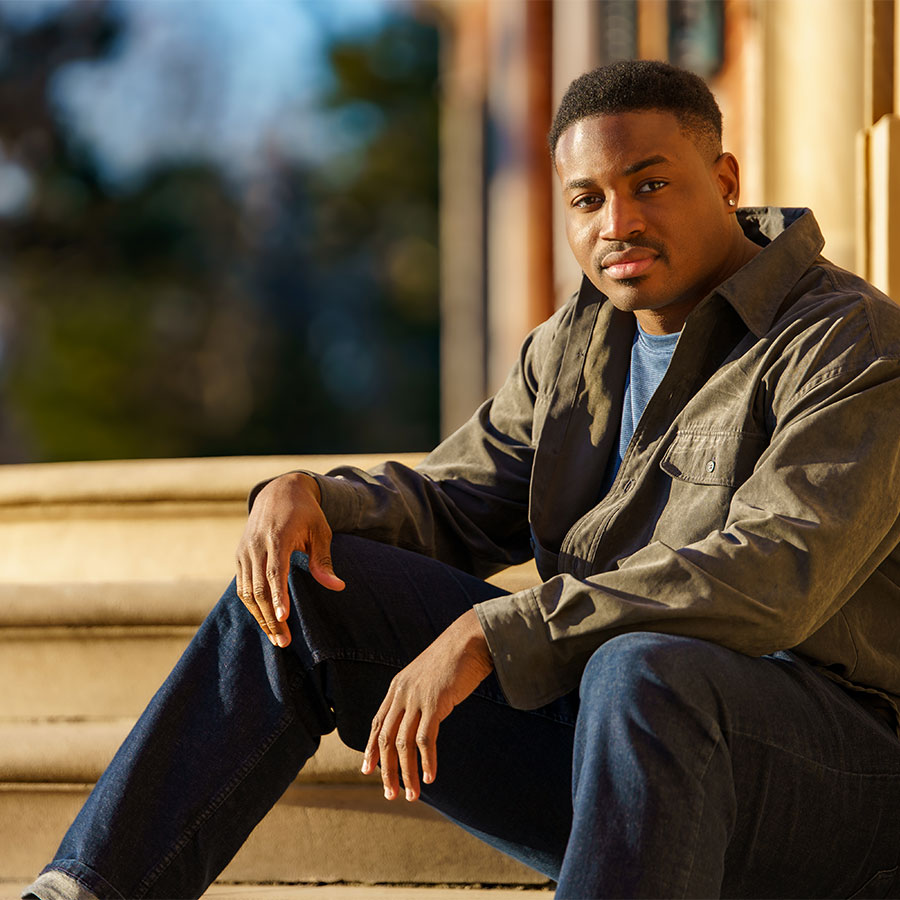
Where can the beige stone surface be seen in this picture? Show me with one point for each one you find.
(134, 520)
(315, 833)
(12, 890)
(95, 672)
(147, 521)
(215, 478)
(137, 543)
(106, 570)
(184, 601)
(33, 819)
(119, 545)
(372, 892)
(77, 751)
(351, 833)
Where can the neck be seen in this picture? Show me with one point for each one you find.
(670, 319)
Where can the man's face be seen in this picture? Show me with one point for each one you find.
(647, 213)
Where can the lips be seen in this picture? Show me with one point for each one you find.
(627, 264)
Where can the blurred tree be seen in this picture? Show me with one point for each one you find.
(186, 314)
(371, 330)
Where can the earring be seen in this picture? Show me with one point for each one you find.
(732, 202)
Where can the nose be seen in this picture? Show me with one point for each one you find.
(621, 218)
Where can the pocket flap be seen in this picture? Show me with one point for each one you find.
(723, 458)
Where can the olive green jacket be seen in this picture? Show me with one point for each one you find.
(757, 506)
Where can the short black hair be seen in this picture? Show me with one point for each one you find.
(634, 85)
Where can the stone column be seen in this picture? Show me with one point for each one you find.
(813, 102)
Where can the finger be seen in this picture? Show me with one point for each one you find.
(426, 742)
(278, 628)
(260, 592)
(387, 750)
(244, 588)
(407, 756)
(371, 755)
(277, 577)
(320, 565)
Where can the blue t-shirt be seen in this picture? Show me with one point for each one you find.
(650, 357)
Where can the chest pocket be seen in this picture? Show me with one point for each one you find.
(714, 458)
(705, 468)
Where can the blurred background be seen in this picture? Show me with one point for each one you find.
(296, 226)
(219, 228)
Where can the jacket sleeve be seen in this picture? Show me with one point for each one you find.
(467, 502)
(813, 521)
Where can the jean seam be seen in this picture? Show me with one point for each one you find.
(322, 656)
(695, 838)
(811, 762)
(249, 764)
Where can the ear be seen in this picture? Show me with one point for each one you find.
(727, 176)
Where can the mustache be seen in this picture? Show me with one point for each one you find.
(647, 243)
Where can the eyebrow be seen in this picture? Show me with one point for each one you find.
(645, 163)
(580, 183)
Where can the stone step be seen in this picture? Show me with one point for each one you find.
(102, 649)
(134, 520)
(375, 892)
(315, 833)
(77, 751)
(321, 830)
(10, 890)
(182, 601)
(75, 672)
(106, 570)
(148, 521)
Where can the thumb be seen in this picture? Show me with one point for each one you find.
(320, 565)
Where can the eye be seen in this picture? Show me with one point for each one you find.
(650, 187)
(587, 201)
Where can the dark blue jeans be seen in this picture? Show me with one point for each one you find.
(693, 771)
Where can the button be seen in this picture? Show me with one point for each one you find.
(711, 466)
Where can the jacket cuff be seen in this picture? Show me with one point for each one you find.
(519, 643)
(340, 499)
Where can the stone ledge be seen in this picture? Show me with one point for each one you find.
(176, 601)
(148, 480)
(315, 833)
(245, 891)
(146, 521)
(76, 752)
(119, 603)
(373, 892)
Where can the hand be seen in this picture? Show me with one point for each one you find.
(419, 698)
(286, 516)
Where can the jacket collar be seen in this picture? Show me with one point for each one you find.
(791, 242)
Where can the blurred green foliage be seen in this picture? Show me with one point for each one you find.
(184, 316)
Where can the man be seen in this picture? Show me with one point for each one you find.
(702, 451)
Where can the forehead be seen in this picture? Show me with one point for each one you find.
(613, 143)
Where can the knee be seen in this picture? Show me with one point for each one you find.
(646, 670)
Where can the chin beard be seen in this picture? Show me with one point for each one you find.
(632, 283)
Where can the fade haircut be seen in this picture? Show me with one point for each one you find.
(635, 85)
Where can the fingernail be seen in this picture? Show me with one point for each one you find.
(410, 796)
(281, 640)
(387, 794)
(365, 767)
